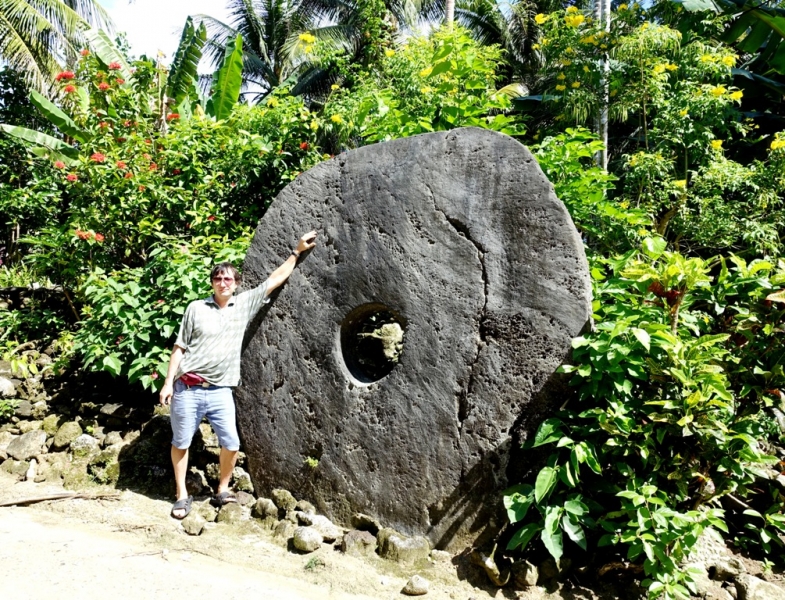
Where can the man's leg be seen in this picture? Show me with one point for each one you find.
(227, 460)
(180, 464)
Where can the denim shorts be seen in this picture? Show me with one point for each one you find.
(191, 403)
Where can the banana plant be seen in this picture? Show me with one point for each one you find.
(227, 81)
(181, 85)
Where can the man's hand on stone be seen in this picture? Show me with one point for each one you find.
(306, 242)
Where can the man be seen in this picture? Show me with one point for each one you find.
(205, 366)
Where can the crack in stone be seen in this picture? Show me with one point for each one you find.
(463, 230)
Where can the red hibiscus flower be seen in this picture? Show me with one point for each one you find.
(71, 177)
(69, 89)
(85, 52)
(64, 75)
(211, 218)
(97, 157)
(120, 81)
(304, 146)
(114, 66)
(99, 237)
(59, 164)
(128, 175)
(172, 116)
(103, 86)
(153, 166)
(120, 164)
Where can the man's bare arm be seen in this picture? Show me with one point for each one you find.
(174, 363)
(281, 274)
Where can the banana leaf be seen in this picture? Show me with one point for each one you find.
(107, 52)
(58, 118)
(56, 147)
(186, 61)
(227, 81)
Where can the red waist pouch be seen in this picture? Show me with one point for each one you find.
(192, 379)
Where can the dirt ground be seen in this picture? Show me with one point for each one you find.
(95, 549)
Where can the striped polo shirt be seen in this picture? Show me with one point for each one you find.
(213, 337)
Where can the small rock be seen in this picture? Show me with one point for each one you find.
(196, 482)
(209, 439)
(752, 588)
(244, 498)
(398, 547)
(416, 586)
(230, 513)
(5, 439)
(305, 506)
(51, 424)
(366, 523)
(24, 409)
(7, 389)
(31, 470)
(441, 556)
(207, 511)
(112, 438)
(359, 543)
(213, 471)
(241, 480)
(40, 409)
(264, 508)
(27, 445)
(725, 569)
(525, 574)
(328, 530)
(84, 445)
(132, 436)
(283, 499)
(194, 523)
(28, 426)
(67, 433)
(307, 539)
(284, 529)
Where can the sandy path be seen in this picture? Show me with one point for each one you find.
(129, 549)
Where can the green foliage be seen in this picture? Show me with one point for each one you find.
(227, 81)
(134, 314)
(184, 71)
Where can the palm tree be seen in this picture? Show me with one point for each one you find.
(272, 44)
(37, 37)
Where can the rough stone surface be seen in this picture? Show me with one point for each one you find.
(27, 445)
(7, 389)
(284, 529)
(366, 523)
(264, 508)
(230, 513)
(322, 524)
(52, 424)
(752, 588)
(241, 480)
(416, 586)
(283, 499)
(397, 547)
(358, 543)
(726, 569)
(306, 539)
(67, 433)
(194, 523)
(525, 574)
(460, 237)
(28, 426)
(305, 506)
(84, 445)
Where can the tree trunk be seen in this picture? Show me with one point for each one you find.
(449, 12)
(602, 14)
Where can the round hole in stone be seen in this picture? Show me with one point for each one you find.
(372, 337)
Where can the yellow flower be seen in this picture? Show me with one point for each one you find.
(540, 19)
(426, 71)
(336, 119)
(680, 183)
(560, 88)
(707, 58)
(777, 144)
(574, 20)
(571, 10)
(535, 46)
(671, 67)
(569, 50)
(658, 69)
(560, 76)
(314, 125)
(273, 102)
(307, 38)
(308, 49)
(388, 53)
(589, 39)
(604, 46)
(624, 204)
(426, 90)
(729, 60)
(586, 69)
(718, 90)
(622, 7)
(736, 95)
(576, 84)
(684, 112)
(566, 62)
(716, 144)
(335, 86)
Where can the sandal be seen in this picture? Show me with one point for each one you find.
(223, 499)
(183, 504)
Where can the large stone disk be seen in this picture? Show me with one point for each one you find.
(458, 238)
